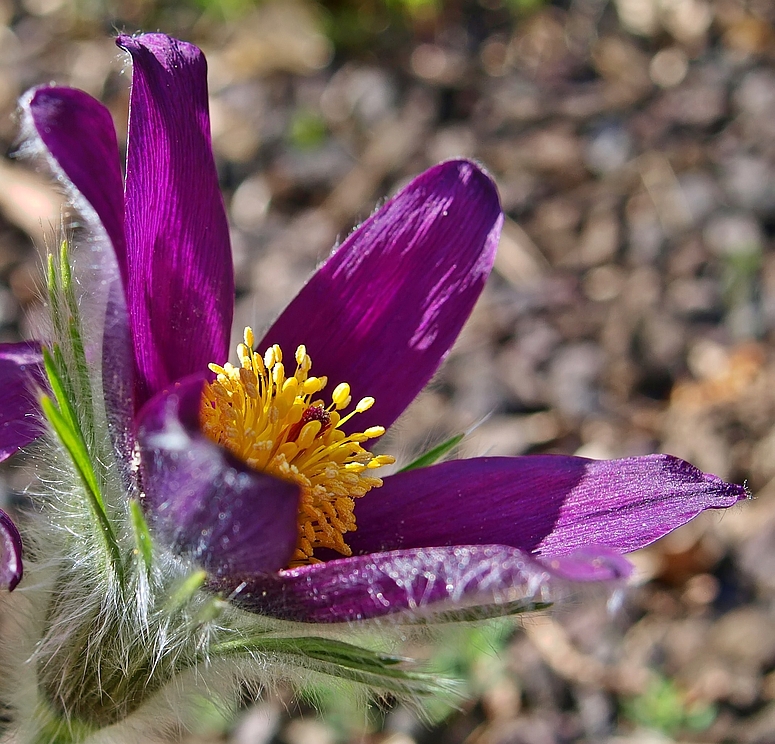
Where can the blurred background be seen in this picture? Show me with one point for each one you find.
(632, 308)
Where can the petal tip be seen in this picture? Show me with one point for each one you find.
(724, 494)
(165, 48)
(468, 174)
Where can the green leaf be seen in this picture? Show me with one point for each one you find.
(72, 440)
(184, 592)
(51, 274)
(343, 660)
(53, 288)
(83, 381)
(143, 539)
(210, 610)
(64, 270)
(434, 454)
(59, 386)
(479, 612)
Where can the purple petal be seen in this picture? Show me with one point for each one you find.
(118, 379)
(78, 132)
(206, 503)
(550, 505)
(180, 290)
(10, 553)
(384, 310)
(430, 580)
(21, 371)
(591, 563)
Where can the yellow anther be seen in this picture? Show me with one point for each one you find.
(243, 353)
(308, 433)
(341, 396)
(291, 387)
(313, 385)
(274, 423)
(289, 450)
(248, 377)
(297, 411)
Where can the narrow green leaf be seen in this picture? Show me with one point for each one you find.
(53, 287)
(185, 591)
(210, 610)
(82, 375)
(66, 282)
(75, 340)
(72, 440)
(64, 268)
(51, 274)
(67, 337)
(143, 539)
(479, 612)
(74, 446)
(65, 391)
(59, 386)
(434, 454)
(343, 660)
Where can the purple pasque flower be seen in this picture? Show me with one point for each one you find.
(380, 315)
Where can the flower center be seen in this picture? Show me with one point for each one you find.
(274, 423)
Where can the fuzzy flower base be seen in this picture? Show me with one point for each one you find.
(203, 528)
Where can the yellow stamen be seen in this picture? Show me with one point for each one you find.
(270, 421)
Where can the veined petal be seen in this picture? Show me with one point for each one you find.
(384, 310)
(78, 133)
(10, 553)
(550, 505)
(423, 581)
(180, 289)
(230, 518)
(21, 371)
(590, 563)
(118, 376)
